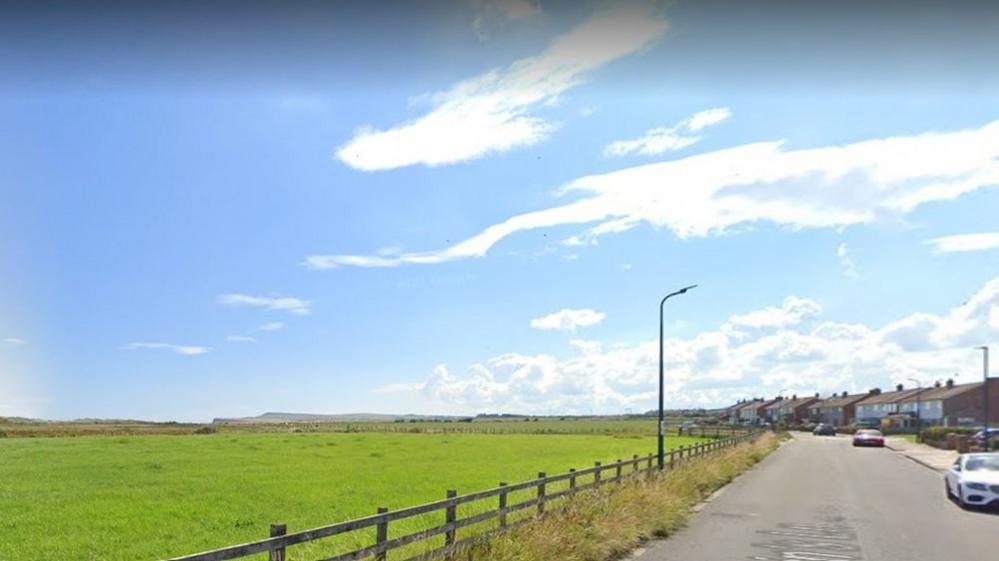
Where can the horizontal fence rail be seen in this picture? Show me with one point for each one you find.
(541, 494)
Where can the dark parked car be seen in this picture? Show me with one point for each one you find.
(823, 429)
(869, 437)
(978, 438)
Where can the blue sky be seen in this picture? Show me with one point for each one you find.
(460, 207)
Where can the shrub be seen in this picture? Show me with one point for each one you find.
(205, 430)
(3, 434)
(940, 433)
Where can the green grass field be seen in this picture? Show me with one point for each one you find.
(151, 497)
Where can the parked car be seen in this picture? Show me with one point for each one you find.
(823, 429)
(868, 437)
(978, 439)
(973, 480)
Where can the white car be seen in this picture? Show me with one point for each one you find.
(973, 480)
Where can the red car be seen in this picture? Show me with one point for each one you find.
(869, 437)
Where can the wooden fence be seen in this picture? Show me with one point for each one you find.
(717, 431)
(540, 490)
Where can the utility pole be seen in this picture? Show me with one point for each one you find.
(985, 395)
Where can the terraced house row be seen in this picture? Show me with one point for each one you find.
(944, 404)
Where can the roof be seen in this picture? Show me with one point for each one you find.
(752, 404)
(791, 402)
(943, 392)
(891, 397)
(840, 401)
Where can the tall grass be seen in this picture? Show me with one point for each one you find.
(606, 524)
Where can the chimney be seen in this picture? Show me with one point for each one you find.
(899, 388)
(875, 391)
(816, 395)
(843, 394)
(936, 384)
(950, 383)
(794, 396)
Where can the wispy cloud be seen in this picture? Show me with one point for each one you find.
(497, 12)
(707, 194)
(568, 319)
(666, 139)
(845, 261)
(295, 306)
(188, 350)
(272, 326)
(491, 112)
(966, 242)
(14, 341)
(241, 339)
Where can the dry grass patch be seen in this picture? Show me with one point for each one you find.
(607, 524)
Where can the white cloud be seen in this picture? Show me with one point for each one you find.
(491, 112)
(787, 347)
(272, 326)
(568, 319)
(793, 311)
(710, 193)
(14, 341)
(241, 339)
(966, 242)
(295, 306)
(188, 350)
(845, 261)
(667, 139)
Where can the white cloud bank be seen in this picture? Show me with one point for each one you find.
(752, 354)
(272, 326)
(491, 112)
(241, 339)
(710, 193)
(13, 341)
(666, 139)
(295, 306)
(568, 319)
(966, 242)
(188, 350)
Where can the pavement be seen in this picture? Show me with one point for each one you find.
(933, 458)
(820, 499)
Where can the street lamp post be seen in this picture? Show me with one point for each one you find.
(919, 412)
(985, 393)
(662, 415)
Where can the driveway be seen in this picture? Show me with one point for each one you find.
(820, 499)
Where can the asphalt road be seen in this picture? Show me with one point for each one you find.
(820, 499)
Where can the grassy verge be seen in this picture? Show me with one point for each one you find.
(604, 525)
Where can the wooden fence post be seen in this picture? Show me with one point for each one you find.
(617, 471)
(502, 506)
(649, 460)
(596, 475)
(541, 493)
(634, 464)
(277, 554)
(381, 534)
(572, 481)
(450, 515)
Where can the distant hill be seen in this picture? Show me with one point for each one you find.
(276, 417)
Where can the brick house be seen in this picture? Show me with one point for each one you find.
(882, 404)
(952, 405)
(754, 412)
(839, 410)
(790, 410)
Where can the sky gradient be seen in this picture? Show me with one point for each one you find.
(462, 207)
